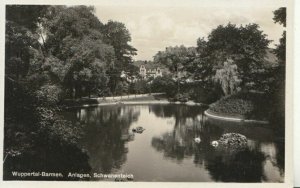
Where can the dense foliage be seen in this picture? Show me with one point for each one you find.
(277, 91)
(232, 58)
(245, 105)
(164, 84)
(55, 52)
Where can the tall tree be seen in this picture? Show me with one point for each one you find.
(245, 45)
(178, 59)
(20, 37)
(277, 87)
(73, 36)
(117, 35)
(228, 77)
(280, 17)
(30, 99)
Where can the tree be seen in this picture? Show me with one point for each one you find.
(27, 16)
(164, 84)
(118, 36)
(31, 93)
(140, 86)
(178, 59)
(119, 88)
(280, 49)
(21, 23)
(280, 16)
(245, 45)
(228, 77)
(17, 44)
(175, 58)
(74, 37)
(277, 87)
(201, 68)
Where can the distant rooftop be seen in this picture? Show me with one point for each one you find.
(148, 64)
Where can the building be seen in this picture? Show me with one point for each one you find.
(149, 69)
(144, 70)
(149, 72)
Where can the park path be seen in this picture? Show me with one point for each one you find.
(127, 96)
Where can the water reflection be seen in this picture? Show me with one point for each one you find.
(259, 162)
(106, 133)
(166, 150)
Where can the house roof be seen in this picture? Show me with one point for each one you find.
(148, 64)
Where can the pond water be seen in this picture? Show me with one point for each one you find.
(166, 150)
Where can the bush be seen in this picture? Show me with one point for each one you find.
(206, 95)
(233, 141)
(164, 84)
(180, 97)
(243, 104)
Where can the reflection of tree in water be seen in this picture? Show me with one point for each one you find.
(172, 147)
(106, 132)
(179, 143)
(235, 166)
(239, 166)
(261, 139)
(179, 112)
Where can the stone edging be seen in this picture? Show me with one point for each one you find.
(135, 102)
(228, 118)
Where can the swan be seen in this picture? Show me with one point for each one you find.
(215, 143)
(197, 140)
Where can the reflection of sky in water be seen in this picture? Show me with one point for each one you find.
(149, 165)
(166, 150)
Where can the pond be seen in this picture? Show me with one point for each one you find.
(166, 150)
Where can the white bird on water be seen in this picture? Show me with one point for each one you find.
(197, 140)
(215, 143)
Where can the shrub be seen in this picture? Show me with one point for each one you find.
(246, 104)
(205, 95)
(164, 84)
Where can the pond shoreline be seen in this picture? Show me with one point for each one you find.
(214, 115)
(141, 100)
(138, 102)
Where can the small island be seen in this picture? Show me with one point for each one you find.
(243, 106)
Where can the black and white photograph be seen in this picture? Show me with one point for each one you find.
(129, 92)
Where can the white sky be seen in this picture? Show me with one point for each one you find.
(154, 26)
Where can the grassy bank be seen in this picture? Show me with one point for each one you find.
(243, 105)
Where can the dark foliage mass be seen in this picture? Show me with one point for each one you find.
(248, 105)
(54, 52)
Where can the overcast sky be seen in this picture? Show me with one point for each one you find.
(154, 26)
